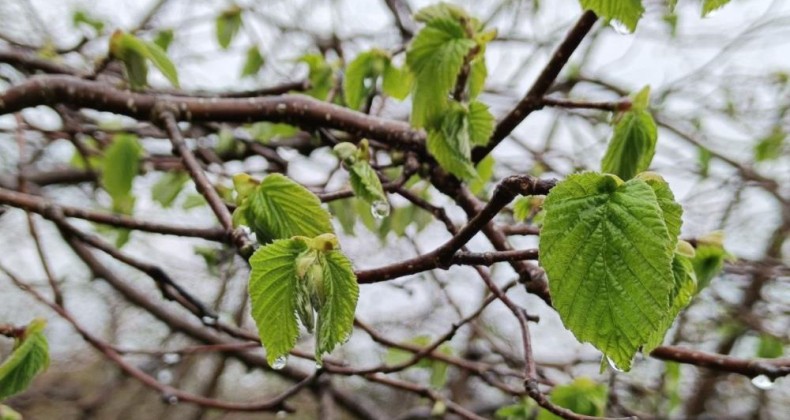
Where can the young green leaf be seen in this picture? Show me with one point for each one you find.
(134, 52)
(164, 38)
(280, 208)
(336, 315)
(29, 358)
(485, 170)
(708, 261)
(253, 63)
(365, 182)
(361, 76)
(671, 210)
(709, 6)
(168, 187)
(582, 396)
(227, 26)
(769, 347)
(481, 123)
(606, 250)
(450, 146)
(627, 12)
(684, 289)
(121, 165)
(161, 61)
(273, 289)
(397, 82)
(478, 72)
(321, 80)
(436, 56)
(81, 17)
(633, 143)
(770, 146)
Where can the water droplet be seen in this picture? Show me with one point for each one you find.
(282, 414)
(281, 108)
(380, 209)
(619, 27)
(164, 376)
(171, 358)
(763, 382)
(279, 363)
(170, 399)
(318, 364)
(613, 365)
(209, 320)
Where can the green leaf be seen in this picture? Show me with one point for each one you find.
(273, 289)
(524, 410)
(361, 75)
(711, 5)
(266, 132)
(29, 358)
(436, 56)
(440, 11)
(632, 146)
(164, 38)
(485, 171)
(397, 82)
(672, 211)
(769, 347)
(253, 63)
(280, 208)
(336, 316)
(481, 123)
(320, 76)
(365, 183)
(770, 146)
(627, 12)
(227, 26)
(683, 290)
(162, 62)
(168, 187)
(582, 396)
(451, 149)
(708, 261)
(82, 17)
(478, 73)
(343, 211)
(608, 256)
(121, 165)
(192, 201)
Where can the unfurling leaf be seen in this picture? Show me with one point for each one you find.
(29, 358)
(301, 277)
(633, 143)
(608, 255)
(279, 208)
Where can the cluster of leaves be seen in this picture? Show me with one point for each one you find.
(29, 358)
(629, 12)
(299, 271)
(447, 59)
(618, 273)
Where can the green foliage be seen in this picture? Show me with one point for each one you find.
(81, 17)
(29, 358)
(582, 396)
(523, 410)
(279, 208)
(321, 80)
(684, 288)
(168, 187)
(228, 25)
(451, 42)
(485, 171)
(135, 54)
(397, 82)
(120, 166)
(633, 143)
(607, 250)
(164, 38)
(769, 347)
(709, 258)
(362, 75)
(266, 132)
(627, 12)
(299, 276)
(437, 368)
(364, 181)
(253, 62)
(770, 147)
(711, 5)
